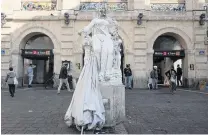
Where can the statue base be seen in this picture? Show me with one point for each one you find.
(114, 103)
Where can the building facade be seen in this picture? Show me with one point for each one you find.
(141, 24)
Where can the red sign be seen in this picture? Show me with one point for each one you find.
(34, 52)
(164, 53)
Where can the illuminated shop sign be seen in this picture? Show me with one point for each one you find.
(169, 53)
(31, 52)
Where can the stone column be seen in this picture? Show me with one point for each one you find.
(57, 61)
(18, 65)
(198, 4)
(70, 4)
(149, 64)
(189, 74)
(11, 5)
(139, 4)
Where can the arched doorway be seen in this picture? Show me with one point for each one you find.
(38, 51)
(168, 51)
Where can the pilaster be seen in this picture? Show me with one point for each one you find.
(139, 4)
(70, 4)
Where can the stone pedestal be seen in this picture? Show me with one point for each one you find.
(114, 103)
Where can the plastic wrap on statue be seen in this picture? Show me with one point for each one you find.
(101, 68)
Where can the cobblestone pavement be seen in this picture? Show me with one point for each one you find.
(42, 111)
(161, 112)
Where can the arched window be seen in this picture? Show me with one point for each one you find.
(111, 4)
(167, 5)
(31, 5)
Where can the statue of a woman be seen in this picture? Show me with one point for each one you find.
(102, 44)
(86, 109)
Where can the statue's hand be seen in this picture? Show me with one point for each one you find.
(80, 33)
(106, 78)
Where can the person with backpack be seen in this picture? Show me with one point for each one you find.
(171, 74)
(128, 76)
(154, 77)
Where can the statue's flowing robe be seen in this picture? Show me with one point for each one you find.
(86, 108)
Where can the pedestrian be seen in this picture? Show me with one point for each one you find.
(30, 74)
(171, 74)
(63, 78)
(154, 77)
(10, 80)
(179, 74)
(128, 76)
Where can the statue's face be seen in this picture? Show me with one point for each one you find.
(102, 13)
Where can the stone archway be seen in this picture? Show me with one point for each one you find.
(175, 32)
(18, 42)
(185, 42)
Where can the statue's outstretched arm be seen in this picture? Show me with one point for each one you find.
(88, 29)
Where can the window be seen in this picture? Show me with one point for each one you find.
(111, 4)
(31, 5)
(167, 5)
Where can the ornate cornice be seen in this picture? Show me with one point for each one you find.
(118, 15)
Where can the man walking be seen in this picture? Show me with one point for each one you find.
(154, 77)
(30, 74)
(128, 76)
(179, 74)
(63, 78)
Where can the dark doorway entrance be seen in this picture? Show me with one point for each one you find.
(38, 51)
(43, 60)
(167, 52)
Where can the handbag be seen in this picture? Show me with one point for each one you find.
(15, 81)
(166, 82)
(172, 80)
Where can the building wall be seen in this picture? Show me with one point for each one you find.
(138, 39)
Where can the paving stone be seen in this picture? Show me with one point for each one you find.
(147, 112)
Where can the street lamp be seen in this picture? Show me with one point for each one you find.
(66, 16)
(202, 19)
(139, 18)
(3, 19)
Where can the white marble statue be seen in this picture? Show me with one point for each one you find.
(86, 109)
(101, 65)
(102, 29)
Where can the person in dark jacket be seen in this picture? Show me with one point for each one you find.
(128, 76)
(171, 74)
(63, 78)
(10, 81)
(179, 74)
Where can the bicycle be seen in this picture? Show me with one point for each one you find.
(51, 82)
(194, 85)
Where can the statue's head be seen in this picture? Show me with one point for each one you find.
(103, 12)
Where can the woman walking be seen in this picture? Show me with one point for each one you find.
(171, 74)
(10, 79)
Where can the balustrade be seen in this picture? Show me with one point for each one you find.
(39, 5)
